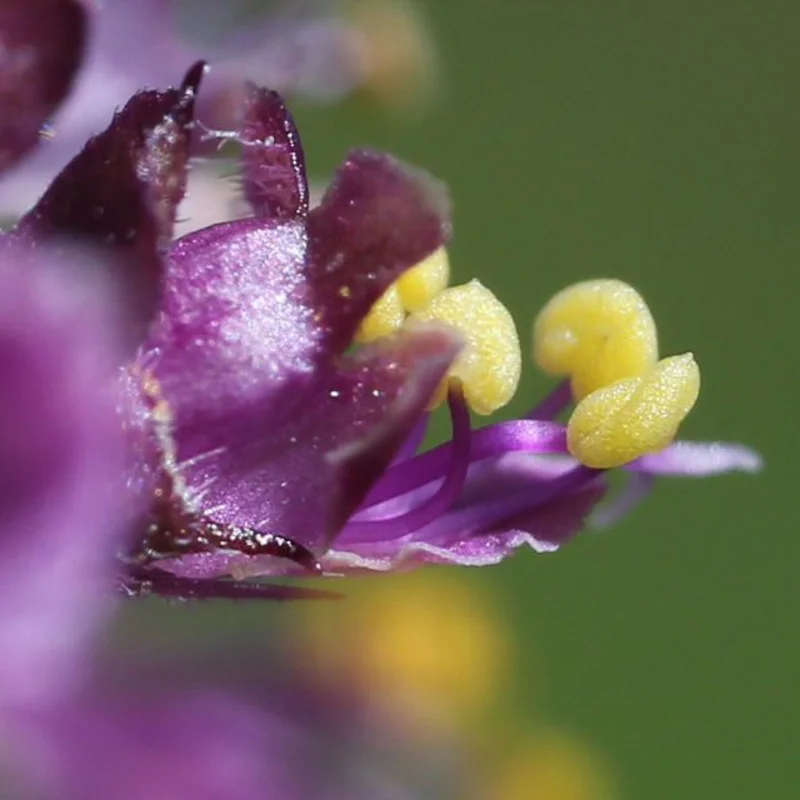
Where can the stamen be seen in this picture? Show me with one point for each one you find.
(444, 496)
(385, 317)
(621, 422)
(520, 436)
(489, 366)
(553, 404)
(419, 285)
(598, 332)
(486, 516)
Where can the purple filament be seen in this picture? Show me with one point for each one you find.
(532, 436)
(475, 519)
(552, 405)
(444, 496)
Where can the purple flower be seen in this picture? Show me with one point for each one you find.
(274, 407)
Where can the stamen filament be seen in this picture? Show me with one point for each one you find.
(532, 436)
(553, 404)
(484, 517)
(444, 496)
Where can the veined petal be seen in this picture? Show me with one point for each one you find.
(41, 48)
(122, 190)
(700, 459)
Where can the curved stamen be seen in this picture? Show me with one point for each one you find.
(444, 496)
(531, 436)
(636, 489)
(483, 517)
(553, 404)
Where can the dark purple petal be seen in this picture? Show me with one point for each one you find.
(273, 164)
(60, 446)
(378, 218)
(251, 313)
(305, 478)
(41, 48)
(122, 190)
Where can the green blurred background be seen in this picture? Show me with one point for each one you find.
(655, 142)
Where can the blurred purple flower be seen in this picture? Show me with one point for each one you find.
(59, 518)
(310, 49)
(173, 729)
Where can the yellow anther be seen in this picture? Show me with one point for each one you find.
(634, 416)
(419, 285)
(384, 318)
(598, 332)
(490, 363)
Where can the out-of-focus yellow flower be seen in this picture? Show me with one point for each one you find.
(425, 641)
(395, 53)
(551, 766)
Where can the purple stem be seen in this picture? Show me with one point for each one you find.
(444, 496)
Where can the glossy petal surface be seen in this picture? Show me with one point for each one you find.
(306, 477)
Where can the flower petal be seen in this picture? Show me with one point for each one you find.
(41, 51)
(700, 459)
(378, 218)
(275, 182)
(254, 308)
(544, 530)
(235, 334)
(122, 190)
(60, 442)
(305, 478)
